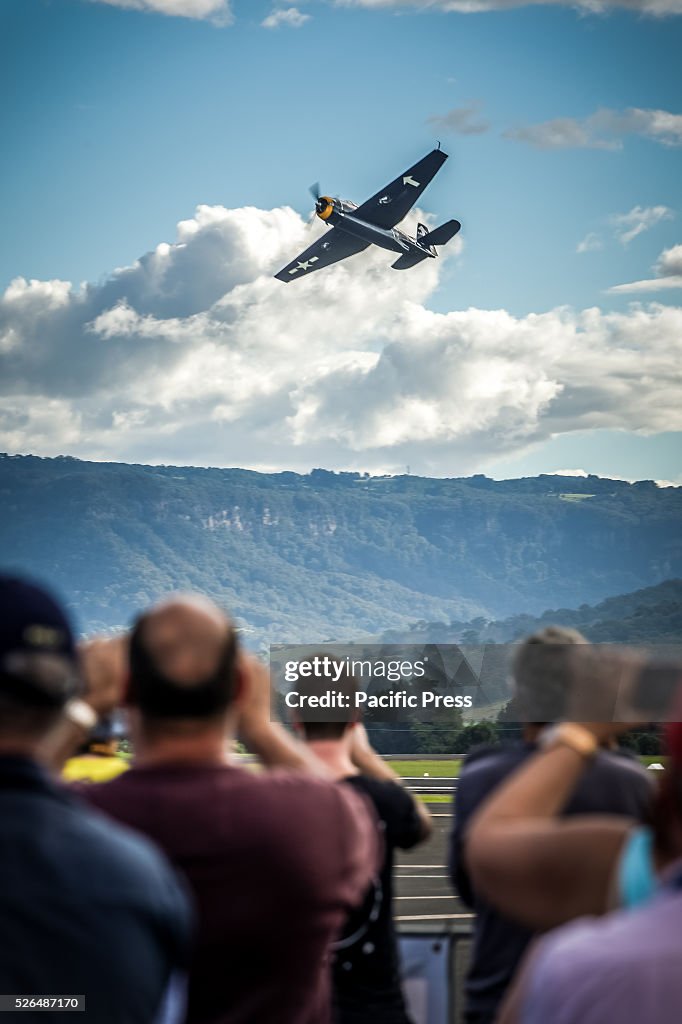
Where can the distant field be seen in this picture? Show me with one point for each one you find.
(435, 769)
(417, 769)
(449, 769)
(656, 759)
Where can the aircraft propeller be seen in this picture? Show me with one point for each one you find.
(316, 193)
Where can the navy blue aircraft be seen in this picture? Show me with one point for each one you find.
(357, 227)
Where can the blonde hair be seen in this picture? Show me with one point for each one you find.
(541, 669)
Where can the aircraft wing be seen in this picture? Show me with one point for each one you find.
(331, 247)
(388, 207)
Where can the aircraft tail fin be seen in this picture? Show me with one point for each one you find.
(440, 235)
(427, 240)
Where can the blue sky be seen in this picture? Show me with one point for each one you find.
(118, 123)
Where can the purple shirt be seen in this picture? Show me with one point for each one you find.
(620, 969)
(274, 862)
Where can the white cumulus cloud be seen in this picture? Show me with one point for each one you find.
(196, 354)
(638, 220)
(590, 243)
(652, 7)
(668, 269)
(217, 11)
(462, 120)
(290, 17)
(604, 129)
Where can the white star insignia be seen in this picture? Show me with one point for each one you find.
(303, 264)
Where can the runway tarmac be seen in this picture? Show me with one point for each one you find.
(423, 893)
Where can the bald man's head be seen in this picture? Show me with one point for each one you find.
(183, 660)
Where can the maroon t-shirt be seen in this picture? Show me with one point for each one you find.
(274, 860)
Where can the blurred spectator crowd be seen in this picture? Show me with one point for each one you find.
(178, 884)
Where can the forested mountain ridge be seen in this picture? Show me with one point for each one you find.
(650, 619)
(652, 615)
(649, 616)
(305, 557)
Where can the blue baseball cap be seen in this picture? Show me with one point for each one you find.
(38, 660)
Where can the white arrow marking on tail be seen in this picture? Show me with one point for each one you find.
(407, 180)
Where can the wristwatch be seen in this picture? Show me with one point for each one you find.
(81, 713)
(569, 734)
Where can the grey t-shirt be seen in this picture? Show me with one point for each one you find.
(614, 783)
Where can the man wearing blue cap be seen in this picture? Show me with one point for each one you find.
(87, 908)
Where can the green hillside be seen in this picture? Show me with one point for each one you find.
(332, 555)
(650, 615)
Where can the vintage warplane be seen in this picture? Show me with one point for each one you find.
(374, 222)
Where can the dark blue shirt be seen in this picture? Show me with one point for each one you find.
(366, 965)
(86, 906)
(614, 783)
